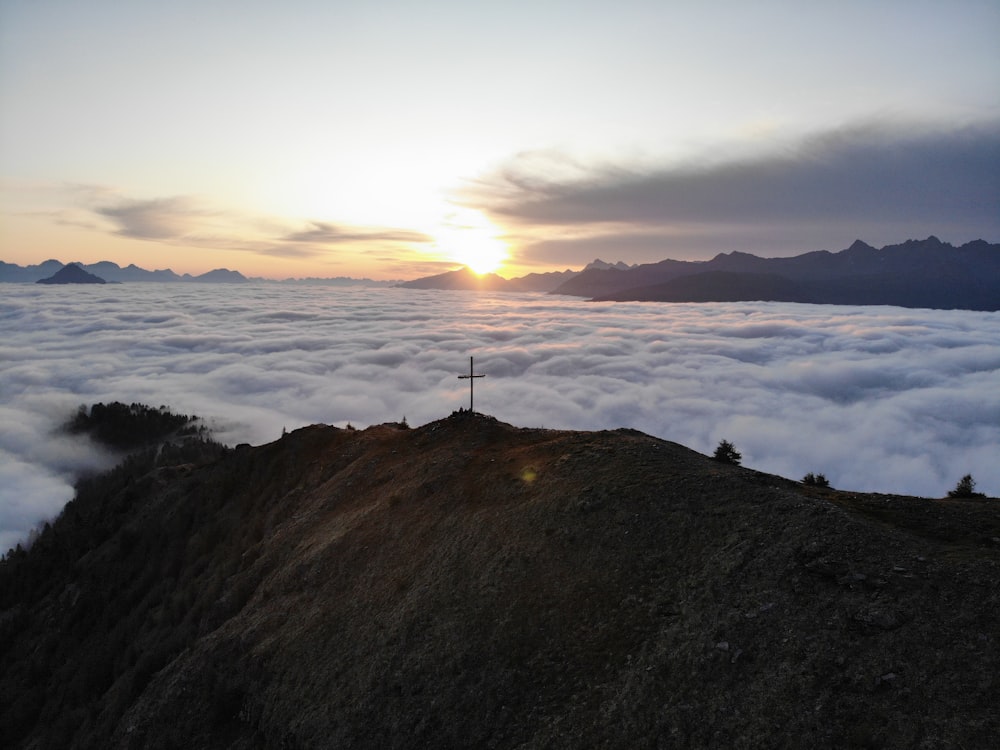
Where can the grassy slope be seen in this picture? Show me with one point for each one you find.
(470, 584)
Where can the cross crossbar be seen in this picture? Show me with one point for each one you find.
(471, 377)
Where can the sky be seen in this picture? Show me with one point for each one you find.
(879, 399)
(393, 139)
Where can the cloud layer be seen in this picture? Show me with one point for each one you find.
(878, 399)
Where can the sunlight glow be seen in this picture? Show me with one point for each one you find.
(468, 237)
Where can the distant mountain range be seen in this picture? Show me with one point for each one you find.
(918, 273)
(113, 273)
(465, 278)
(109, 272)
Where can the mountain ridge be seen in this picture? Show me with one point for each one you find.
(916, 273)
(111, 272)
(468, 583)
(466, 279)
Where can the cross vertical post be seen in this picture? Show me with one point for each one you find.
(471, 377)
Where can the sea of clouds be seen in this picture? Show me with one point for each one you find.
(878, 399)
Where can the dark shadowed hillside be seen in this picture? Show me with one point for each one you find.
(717, 286)
(463, 278)
(917, 273)
(472, 584)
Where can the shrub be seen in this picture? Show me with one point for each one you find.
(815, 480)
(966, 487)
(726, 453)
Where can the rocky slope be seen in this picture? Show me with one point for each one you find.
(472, 584)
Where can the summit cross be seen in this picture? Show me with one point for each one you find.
(471, 377)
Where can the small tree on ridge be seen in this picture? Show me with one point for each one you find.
(816, 480)
(966, 487)
(726, 453)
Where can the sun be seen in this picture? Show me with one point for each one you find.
(468, 237)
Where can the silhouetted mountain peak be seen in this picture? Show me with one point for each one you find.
(72, 274)
(463, 278)
(221, 275)
(931, 244)
(600, 265)
(860, 246)
(735, 254)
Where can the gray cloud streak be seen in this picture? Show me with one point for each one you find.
(874, 182)
(858, 174)
(332, 234)
(183, 220)
(878, 399)
(158, 219)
